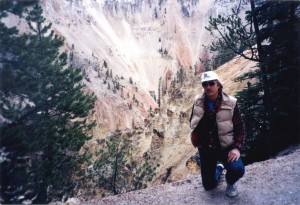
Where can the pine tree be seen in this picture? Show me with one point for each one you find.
(107, 73)
(143, 172)
(159, 92)
(45, 112)
(279, 23)
(116, 171)
(250, 104)
(231, 38)
(180, 75)
(155, 13)
(104, 63)
(109, 169)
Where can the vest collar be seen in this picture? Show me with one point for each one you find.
(225, 100)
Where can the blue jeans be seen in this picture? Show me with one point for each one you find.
(211, 174)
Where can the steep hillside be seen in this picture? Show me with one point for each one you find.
(139, 40)
(275, 181)
(125, 47)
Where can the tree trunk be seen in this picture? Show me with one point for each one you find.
(262, 65)
(268, 107)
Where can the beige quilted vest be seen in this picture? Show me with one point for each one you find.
(223, 118)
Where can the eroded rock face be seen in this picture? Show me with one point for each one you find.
(126, 47)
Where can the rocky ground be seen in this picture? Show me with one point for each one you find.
(275, 181)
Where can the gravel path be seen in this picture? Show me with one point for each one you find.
(275, 181)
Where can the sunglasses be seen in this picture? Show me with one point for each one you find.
(210, 83)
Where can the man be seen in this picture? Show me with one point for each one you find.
(219, 133)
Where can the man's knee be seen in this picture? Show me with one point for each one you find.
(236, 169)
(209, 186)
(239, 171)
(208, 183)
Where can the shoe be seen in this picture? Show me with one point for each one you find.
(231, 190)
(219, 170)
(220, 165)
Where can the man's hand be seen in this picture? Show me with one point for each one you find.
(234, 155)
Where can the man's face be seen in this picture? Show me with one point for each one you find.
(211, 88)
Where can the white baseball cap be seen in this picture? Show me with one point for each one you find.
(208, 76)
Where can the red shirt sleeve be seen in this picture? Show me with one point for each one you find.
(238, 129)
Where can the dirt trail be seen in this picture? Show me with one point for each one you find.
(275, 181)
